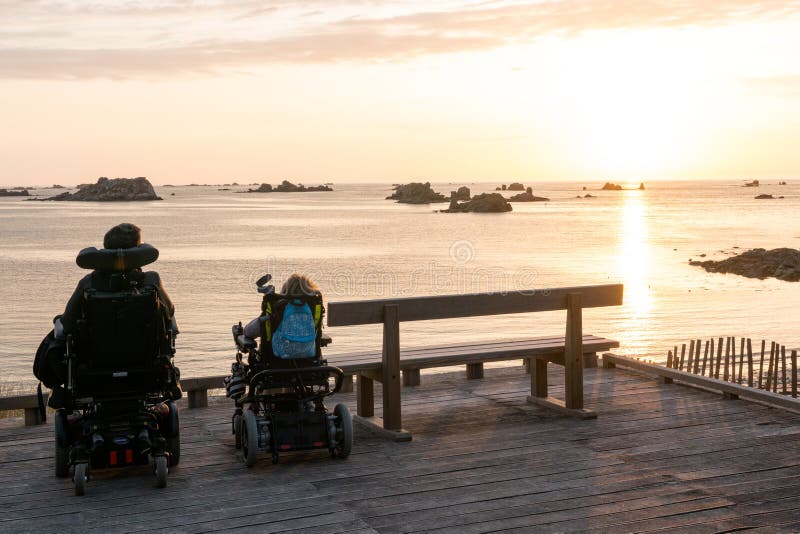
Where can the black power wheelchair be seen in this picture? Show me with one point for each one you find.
(279, 402)
(117, 407)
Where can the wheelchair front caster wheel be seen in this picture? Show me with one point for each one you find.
(161, 471)
(80, 477)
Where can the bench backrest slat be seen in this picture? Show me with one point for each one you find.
(471, 305)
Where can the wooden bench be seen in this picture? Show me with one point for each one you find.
(196, 389)
(29, 403)
(386, 366)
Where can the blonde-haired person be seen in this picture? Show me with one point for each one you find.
(296, 285)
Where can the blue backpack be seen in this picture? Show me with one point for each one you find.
(296, 336)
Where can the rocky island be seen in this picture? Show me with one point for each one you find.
(416, 193)
(483, 203)
(112, 190)
(780, 263)
(608, 186)
(14, 193)
(527, 196)
(288, 187)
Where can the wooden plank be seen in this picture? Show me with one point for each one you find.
(573, 353)
(767, 397)
(471, 305)
(794, 373)
(783, 374)
(761, 364)
(719, 358)
(19, 402)
(392, 386)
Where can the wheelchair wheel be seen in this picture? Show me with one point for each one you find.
(344, 432)
(161, 471)
(80, 477)
(250, 438)
(237, 431)
(62, 444)
(174, 449)
(173, 435)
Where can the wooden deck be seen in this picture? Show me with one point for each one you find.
(659, 457)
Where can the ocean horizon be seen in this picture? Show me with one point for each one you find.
(357, 245)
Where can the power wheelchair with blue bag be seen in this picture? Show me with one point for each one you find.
(117, 407)
(280, 389)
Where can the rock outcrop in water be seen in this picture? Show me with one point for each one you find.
(754, 183)
(484, 203)
(516, 186)
(608, 186)
(527, 196)
(288, 187)
(116, 190)
(764, 197)
(14, 193)
(416, 193)
(780, 263)
(463, 193)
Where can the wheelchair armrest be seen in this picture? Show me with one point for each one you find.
(58, 329)
(245, 343)
(325, 340)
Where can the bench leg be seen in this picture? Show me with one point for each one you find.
(32, 417)
(538, 377)
(365, 400)
(411, 377)
(347, 384)
(474, 371)
(589, 360)
(198, 398)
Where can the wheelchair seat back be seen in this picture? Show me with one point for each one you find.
(123, 345)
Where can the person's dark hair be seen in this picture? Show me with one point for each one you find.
(125, 235)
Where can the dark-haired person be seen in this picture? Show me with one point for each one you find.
(125, 235)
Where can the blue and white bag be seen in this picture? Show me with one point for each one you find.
(295, 336)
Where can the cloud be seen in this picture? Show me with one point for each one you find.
(94, 50)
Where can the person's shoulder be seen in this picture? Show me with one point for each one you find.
(151, 277)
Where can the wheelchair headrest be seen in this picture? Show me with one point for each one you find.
(120, 259)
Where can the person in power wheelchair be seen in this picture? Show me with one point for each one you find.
(279, 391)
(117, 407)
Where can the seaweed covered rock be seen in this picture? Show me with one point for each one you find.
(483, 203)
(14, 193)
(780, 263)
(263, 188)
(288, 187)
(112, 190)
(416, 193)
(527, 196)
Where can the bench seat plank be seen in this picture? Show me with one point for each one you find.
(446, 355)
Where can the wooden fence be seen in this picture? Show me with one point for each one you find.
(771, 370)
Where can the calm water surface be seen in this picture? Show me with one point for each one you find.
(214, 244)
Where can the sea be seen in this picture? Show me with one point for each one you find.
(216, 241)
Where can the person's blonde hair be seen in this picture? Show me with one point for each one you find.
(299, 284)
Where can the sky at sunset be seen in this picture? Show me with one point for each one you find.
(217, 91)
